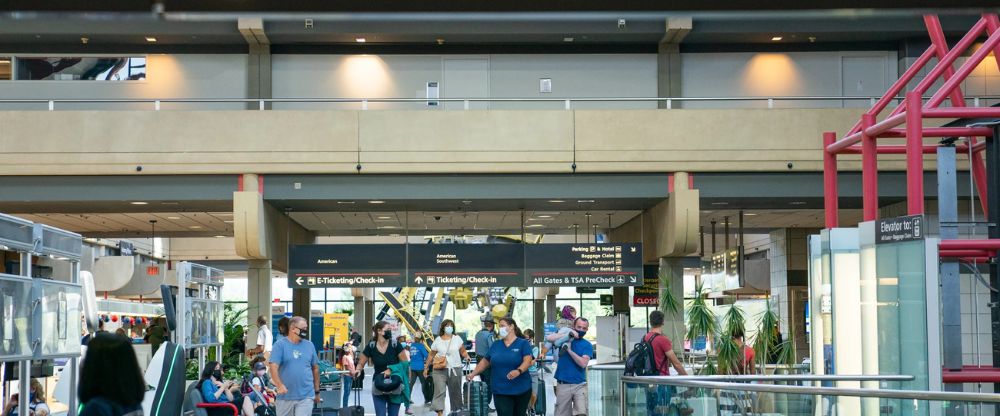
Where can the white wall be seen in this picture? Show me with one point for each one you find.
(786, 74)
(509, 76)
(167, 76)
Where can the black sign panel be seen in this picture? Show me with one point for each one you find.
(125, 248)
(899, 229)
(466, 265)
(586, 265)
(346, 265)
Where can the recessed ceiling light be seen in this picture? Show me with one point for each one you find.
(384, 217)
(544, 216)
(556, 201)
(466, 202)
(720, 203)
(360, 40)
(797, 202)
(388, 227)
(585, 201)
(173, 218)
(567, 39)
(776, 38)
(220, 236)
(346, 202)
(139, 203)
(535, 225)
(150, 39)
(194, 227)
(749, 214)
(376, 202)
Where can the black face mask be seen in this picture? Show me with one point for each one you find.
(303, 334)
(387, 334)
(217, 374)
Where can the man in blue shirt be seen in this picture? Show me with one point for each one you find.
(295, 371)
(571, 373)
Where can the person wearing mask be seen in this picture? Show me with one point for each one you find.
(564, 329)
(216, 390)
(484, 340)
(265, 341)
(37, 405)
(347, 379)
(418, 360)
(445, 359)
(261, 394)
(282, 328)
(111, 383)
(571, 372)
(509, 358)
(382, 351)
(295, 371)
(156, 334)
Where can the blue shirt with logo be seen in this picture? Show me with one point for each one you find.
(418, 356)
(503, 360)
(295, 363)
(567, 371)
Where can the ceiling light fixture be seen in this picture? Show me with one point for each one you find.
(776, 38)
(556, 201)
(360, 40)
(229, 221)
(346, 202)
(220, 236)
(585, 201)
(139, 203)
(544, 216)
(384, 217)
(567, 39)
(466, 202)
(535, 225)
(720, 203)
(150, 39)
(173, 218)
(797, 203)
(749, 214)
(376, 202)
(194, 227)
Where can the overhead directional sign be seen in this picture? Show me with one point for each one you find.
(346, 265)
(584, 265)
(466, 265)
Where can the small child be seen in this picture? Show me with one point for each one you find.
(564, 327)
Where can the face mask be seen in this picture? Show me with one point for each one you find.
(261, 373)
(217, 374)
(387, 334)
(581, 333)
(303, 334)
(503, 332)
(448, 330)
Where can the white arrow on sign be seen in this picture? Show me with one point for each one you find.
(298, 281)
(418, 280)
(631, 279)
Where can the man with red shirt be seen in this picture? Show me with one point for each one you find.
(658, 399)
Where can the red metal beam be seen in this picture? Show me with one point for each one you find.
(964, 376)
(940, 46)
(982, 244)
(874, 130)
(869, 170)
(914, 155)
(901, 150)
(967, 112)
(966, 253)
(943, 132)
(830, 181)
(979, 173)
(963, 71)
(963, 44)
(898, 86)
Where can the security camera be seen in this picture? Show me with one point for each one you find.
(437, 218)
(621, 23)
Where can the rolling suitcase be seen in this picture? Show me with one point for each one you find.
(540, 405)
(357, 409)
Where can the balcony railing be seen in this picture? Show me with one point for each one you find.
(469, 103)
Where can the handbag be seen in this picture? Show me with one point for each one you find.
(441, 361)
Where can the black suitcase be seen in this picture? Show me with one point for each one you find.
(357, 409)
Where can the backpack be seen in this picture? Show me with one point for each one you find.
(642, 360)
(246, 387)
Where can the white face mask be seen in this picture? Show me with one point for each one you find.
(449, 330)
(503, 332)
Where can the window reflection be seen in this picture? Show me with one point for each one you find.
(5, 68)
(81, 68)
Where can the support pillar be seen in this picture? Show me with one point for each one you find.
(538, 323)
(951, 300)
(993, 204)
(671, 275)
(359, 315)
(258, 61)
(369, 322)
(551, 308)
(258, 297)
(668, 60)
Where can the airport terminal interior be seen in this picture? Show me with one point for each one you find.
(264, 208)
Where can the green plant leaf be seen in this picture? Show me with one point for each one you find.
(701, 318)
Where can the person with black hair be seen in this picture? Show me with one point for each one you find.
(111, 383)
(509, 357)
(283, 326)
(383, 351)
(746, 364)
(571, 372)
(216, 390)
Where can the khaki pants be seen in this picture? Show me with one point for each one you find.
(571, 399)
(447, 381)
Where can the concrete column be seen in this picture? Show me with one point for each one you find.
(300, 303)
(668, 59)
(258, 60)
(538, 323)
(672, 278)
(369, 320)
(258, 297)
(789, 282)
(551, 308)
(359, 315)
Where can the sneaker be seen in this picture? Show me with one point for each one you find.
(409, 412)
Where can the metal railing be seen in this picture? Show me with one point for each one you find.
(745, 384)
(568, 103)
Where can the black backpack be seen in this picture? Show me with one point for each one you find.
(642, 360)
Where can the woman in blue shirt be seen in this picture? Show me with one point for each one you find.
(509, 360)
(215, 390)
(418, 358)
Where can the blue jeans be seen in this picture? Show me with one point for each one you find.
(346, 381)
(383, 407)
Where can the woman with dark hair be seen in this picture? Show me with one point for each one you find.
(445, 359)
(509, 359)
(215, 390)
(111, 383)
(383, 351)
(283, 326)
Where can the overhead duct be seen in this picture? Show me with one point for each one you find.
(112, 273)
